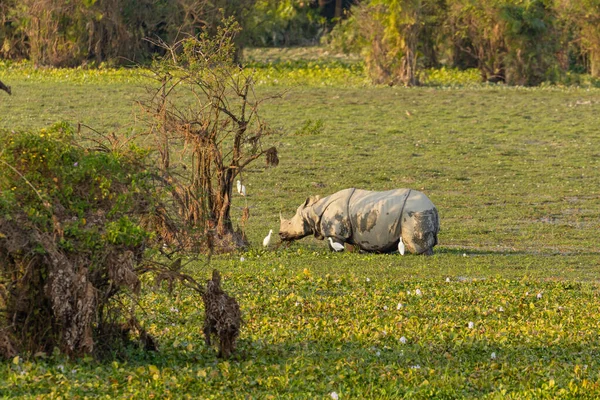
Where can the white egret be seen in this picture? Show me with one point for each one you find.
(335, 246)
(401, 247)
(267, 239)
(241, 188)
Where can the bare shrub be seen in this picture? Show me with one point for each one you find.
(207, 128)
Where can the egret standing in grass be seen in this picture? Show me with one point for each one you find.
(335, 246)
(401, 247)
(267, 239)
(241, 188)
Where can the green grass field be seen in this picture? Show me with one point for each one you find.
(514, 174)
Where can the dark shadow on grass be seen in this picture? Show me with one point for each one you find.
(460, 251)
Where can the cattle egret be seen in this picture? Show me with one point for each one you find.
(241, 188)
(267, 239)
(335, 246)
(401, 247)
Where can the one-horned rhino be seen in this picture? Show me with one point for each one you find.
(373, 221)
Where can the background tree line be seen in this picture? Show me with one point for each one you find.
(522, 42)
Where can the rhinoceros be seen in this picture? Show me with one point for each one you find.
(372, 221)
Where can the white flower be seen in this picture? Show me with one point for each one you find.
(368, 280)
(464, 254)
(418, 292)
(242, 259)
(334, 395)
(493, 356)
(403, 340)
(447, 279)
(539, 295)
(385, 308)
(526, 293)
(501, 309)
(60, 367)
(408, 292)
(471, 325)
(73, 371)
(384, 333)
(297, 304)
(378, 353)
(415, 366)
(174, 310)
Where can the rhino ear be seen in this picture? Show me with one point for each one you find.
(311, 200)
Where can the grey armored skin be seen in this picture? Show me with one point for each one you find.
(373, 221)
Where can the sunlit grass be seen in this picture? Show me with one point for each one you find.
(513, 172)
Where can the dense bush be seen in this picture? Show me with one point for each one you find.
(521, 42)
(283, 23)
(72, 233)
(67, 33)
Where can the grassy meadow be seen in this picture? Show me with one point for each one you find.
(508, 307)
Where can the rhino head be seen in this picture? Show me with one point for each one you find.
(301, 224)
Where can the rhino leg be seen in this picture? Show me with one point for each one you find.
(419, 231)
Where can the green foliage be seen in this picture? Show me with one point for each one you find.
(532, 42)
(311, 128)
(283, 23)
(52, 169)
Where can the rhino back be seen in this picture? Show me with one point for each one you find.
(375, 218)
